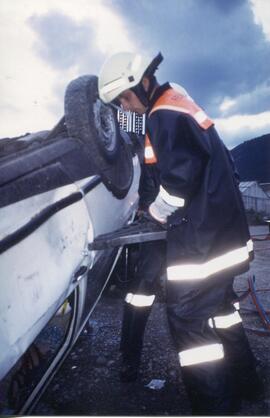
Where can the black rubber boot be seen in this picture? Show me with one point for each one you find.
(247, 383)
(133, 326)
(128, 313)
(210, 390)
(250, 386)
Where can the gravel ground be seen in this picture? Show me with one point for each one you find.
(88, 382)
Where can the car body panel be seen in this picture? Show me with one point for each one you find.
(37, 272)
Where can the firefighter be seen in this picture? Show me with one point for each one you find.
(208, 241)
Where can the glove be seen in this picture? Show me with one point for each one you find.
(160, 210)
(144, 217)
(140, 214)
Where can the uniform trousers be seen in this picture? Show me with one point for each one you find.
(202, 319)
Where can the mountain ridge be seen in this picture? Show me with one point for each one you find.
(252, 159)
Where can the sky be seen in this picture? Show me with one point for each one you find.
(218, 50)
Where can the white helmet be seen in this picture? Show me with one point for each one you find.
(121, 72)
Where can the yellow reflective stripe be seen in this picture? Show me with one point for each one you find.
(140, 300)
(170, 199)
(225, 321)
(202, 271)
(202, 354)
(148, 152)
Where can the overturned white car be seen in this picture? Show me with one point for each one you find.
(59, 190)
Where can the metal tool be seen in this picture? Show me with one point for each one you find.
(138, 231)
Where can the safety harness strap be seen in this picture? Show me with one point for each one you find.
(225, 321)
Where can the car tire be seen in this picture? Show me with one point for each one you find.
(89, 120)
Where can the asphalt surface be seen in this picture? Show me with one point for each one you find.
(88, 382)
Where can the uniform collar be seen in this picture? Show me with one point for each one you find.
(159, 91)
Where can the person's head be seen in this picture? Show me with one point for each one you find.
(128, 79)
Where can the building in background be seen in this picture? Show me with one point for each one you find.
(266, 188)
(254, 197)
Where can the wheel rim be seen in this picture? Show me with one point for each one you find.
(105, 125)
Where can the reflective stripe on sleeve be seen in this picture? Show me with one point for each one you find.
(225, 321)
(140, 300)
(170, 199)
(201, 354)
(203, 270)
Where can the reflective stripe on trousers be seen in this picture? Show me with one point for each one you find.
(209, 352)
(140, 300)
(225, 321)
(204, 270)
(201, 354)
(237, 305)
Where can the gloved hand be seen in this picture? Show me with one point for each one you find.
(144, 217)
(160, 210)
(140, 214)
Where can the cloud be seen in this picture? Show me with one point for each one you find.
(213, 48)
(54, 42)
(67, 47)
(85, 39)
(255, 101)
(218, 50)
(261, 12)
(26, 82)
(235, 129)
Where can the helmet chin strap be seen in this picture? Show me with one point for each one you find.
(143, 95)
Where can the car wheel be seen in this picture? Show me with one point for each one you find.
(88, 119)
